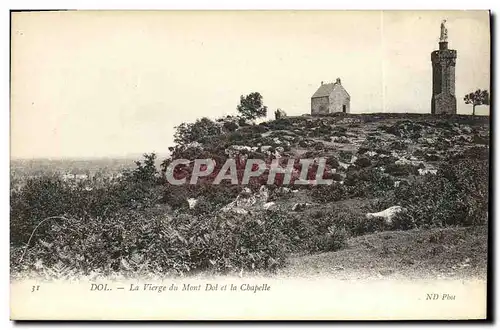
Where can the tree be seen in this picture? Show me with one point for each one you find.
(198, 131)
(479, 97)
(251, 106)
(145, 170)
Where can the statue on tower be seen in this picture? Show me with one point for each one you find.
(443, 61)
(444, 32)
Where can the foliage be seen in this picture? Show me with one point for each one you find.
(328, 193)
(50, 195)
(199, 131)
(456, 196)
(145, 171)
(401, 169)
(479, 97)
(167, 245)
(363, 162)
(251, 106)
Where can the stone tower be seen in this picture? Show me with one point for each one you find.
(443, 77)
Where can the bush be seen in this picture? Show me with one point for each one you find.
(195, 132)
(456, 196)
(49, 196)
(230, 126)
(335, 239)
(367, 182)
(363, 162)
(398, 145)
(432, 157)
(166, 245)
(401, 169)
(328, 193)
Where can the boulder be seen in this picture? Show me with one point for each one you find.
(424, 171)
(269, 206)
(298, 207)
(192, 202)
(387, 214)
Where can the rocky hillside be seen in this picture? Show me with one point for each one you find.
(398, 177)
(365, 153)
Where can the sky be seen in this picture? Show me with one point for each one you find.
(113, 84)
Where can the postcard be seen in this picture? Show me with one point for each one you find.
(249, 165)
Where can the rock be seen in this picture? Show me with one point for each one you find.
(246, 200)
(402, 161)
(466, 129)
(278, 114)
(298, 207)
(234, 209)
(424, 171)
(343, 165)
(263, 195)
(192, 202)
(269, 206)
(234, 150)
(387, 214)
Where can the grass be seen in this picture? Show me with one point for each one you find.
(414, 254)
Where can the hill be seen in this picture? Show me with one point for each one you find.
(433, 169)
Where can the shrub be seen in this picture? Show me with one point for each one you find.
(49, 196)
(332, 162)
(481, 139)
(328, 193)
(319, 146)
(456, 196)
(194, 132)
(431, 157)
(367, 182)
(230, 126)
(363, 150)
(167, 245)
(334, 239)
(398, 145)
(477, 153)
(145, 170)
(402, 221)
(401, 169)
(363, 162)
